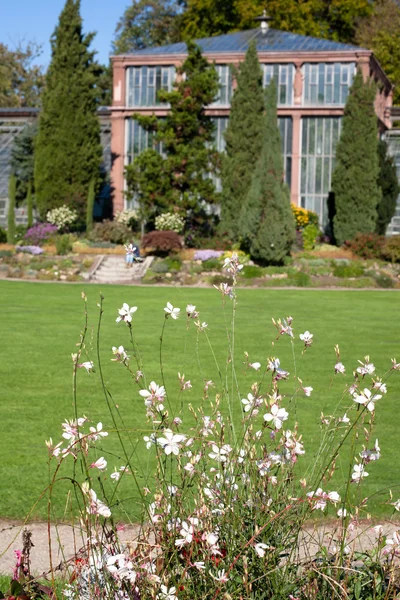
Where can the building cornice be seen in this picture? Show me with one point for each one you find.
(235, 57)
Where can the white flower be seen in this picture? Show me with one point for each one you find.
(367, 398)
(322, 498)
(97, 432)
(191, 311)
(393, 544)
(307, 338)
(276, 416)
(171, 311)
(96, 506)
(125, 313)
(115, 475)
(342, 513)
(167, 594)
(396, 505)
(88, 365)
(150, 440)
(170, 443)
(120, 354)
(186, 533)
(250, 402)
(100, 464)
(260, 549)
(200, 565)
(221, 576)
(256, 366)
(340, 368)
(359, 473)
(274, 365)
(344, 419)
(307, 390)
(220, 454)
(371, 455)
(366, 368)
(378, 385)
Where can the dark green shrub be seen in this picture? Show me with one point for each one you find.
(352, 270)
(391, 249)
(212, 264)
(366, 245)
(300, 279)
(160, 266)
(252, 271)
(110, 231)
(63, 244)
(384, 281)
(5, 253)
(3, 236)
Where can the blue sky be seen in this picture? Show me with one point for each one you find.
(35, 20)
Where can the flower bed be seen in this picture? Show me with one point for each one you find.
(226, 503)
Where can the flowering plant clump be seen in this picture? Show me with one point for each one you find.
(40, 233)
(304, 217)
(129, 218)
(169, 222)
(35, 250)
(62, 217)
(204, 255)
(225, 508)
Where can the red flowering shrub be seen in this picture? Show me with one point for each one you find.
(366, 245)
(162, 241)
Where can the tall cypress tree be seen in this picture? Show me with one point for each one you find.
(390, 187)
(68, 151)
(355, 178)
(243, 141)
(12, 190)
(267, 223)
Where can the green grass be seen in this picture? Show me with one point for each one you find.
(41, 323)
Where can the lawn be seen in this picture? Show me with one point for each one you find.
(41, 323)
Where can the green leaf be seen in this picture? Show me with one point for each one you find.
(16, 588)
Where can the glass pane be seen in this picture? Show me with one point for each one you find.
(304, 127)
(336, 91)
(311, 174)
(288, 172)
(311, 136)
(328, 136)
(303, 175)
(143, 100)
(319, 136)
(318, 175)
(326, 177)
(321, 83)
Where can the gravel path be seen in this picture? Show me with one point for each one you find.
(313, 536)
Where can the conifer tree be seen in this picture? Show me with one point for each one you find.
(243, 141)
(90, 205)
(389, 185)
(355, 178)
(29, 204)
(12, 190)
(68, 152)
(268, 226)
(178, 179)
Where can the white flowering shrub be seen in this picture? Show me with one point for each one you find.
(169, 222)
(62, 217)
(130, 218)
(225, 510)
